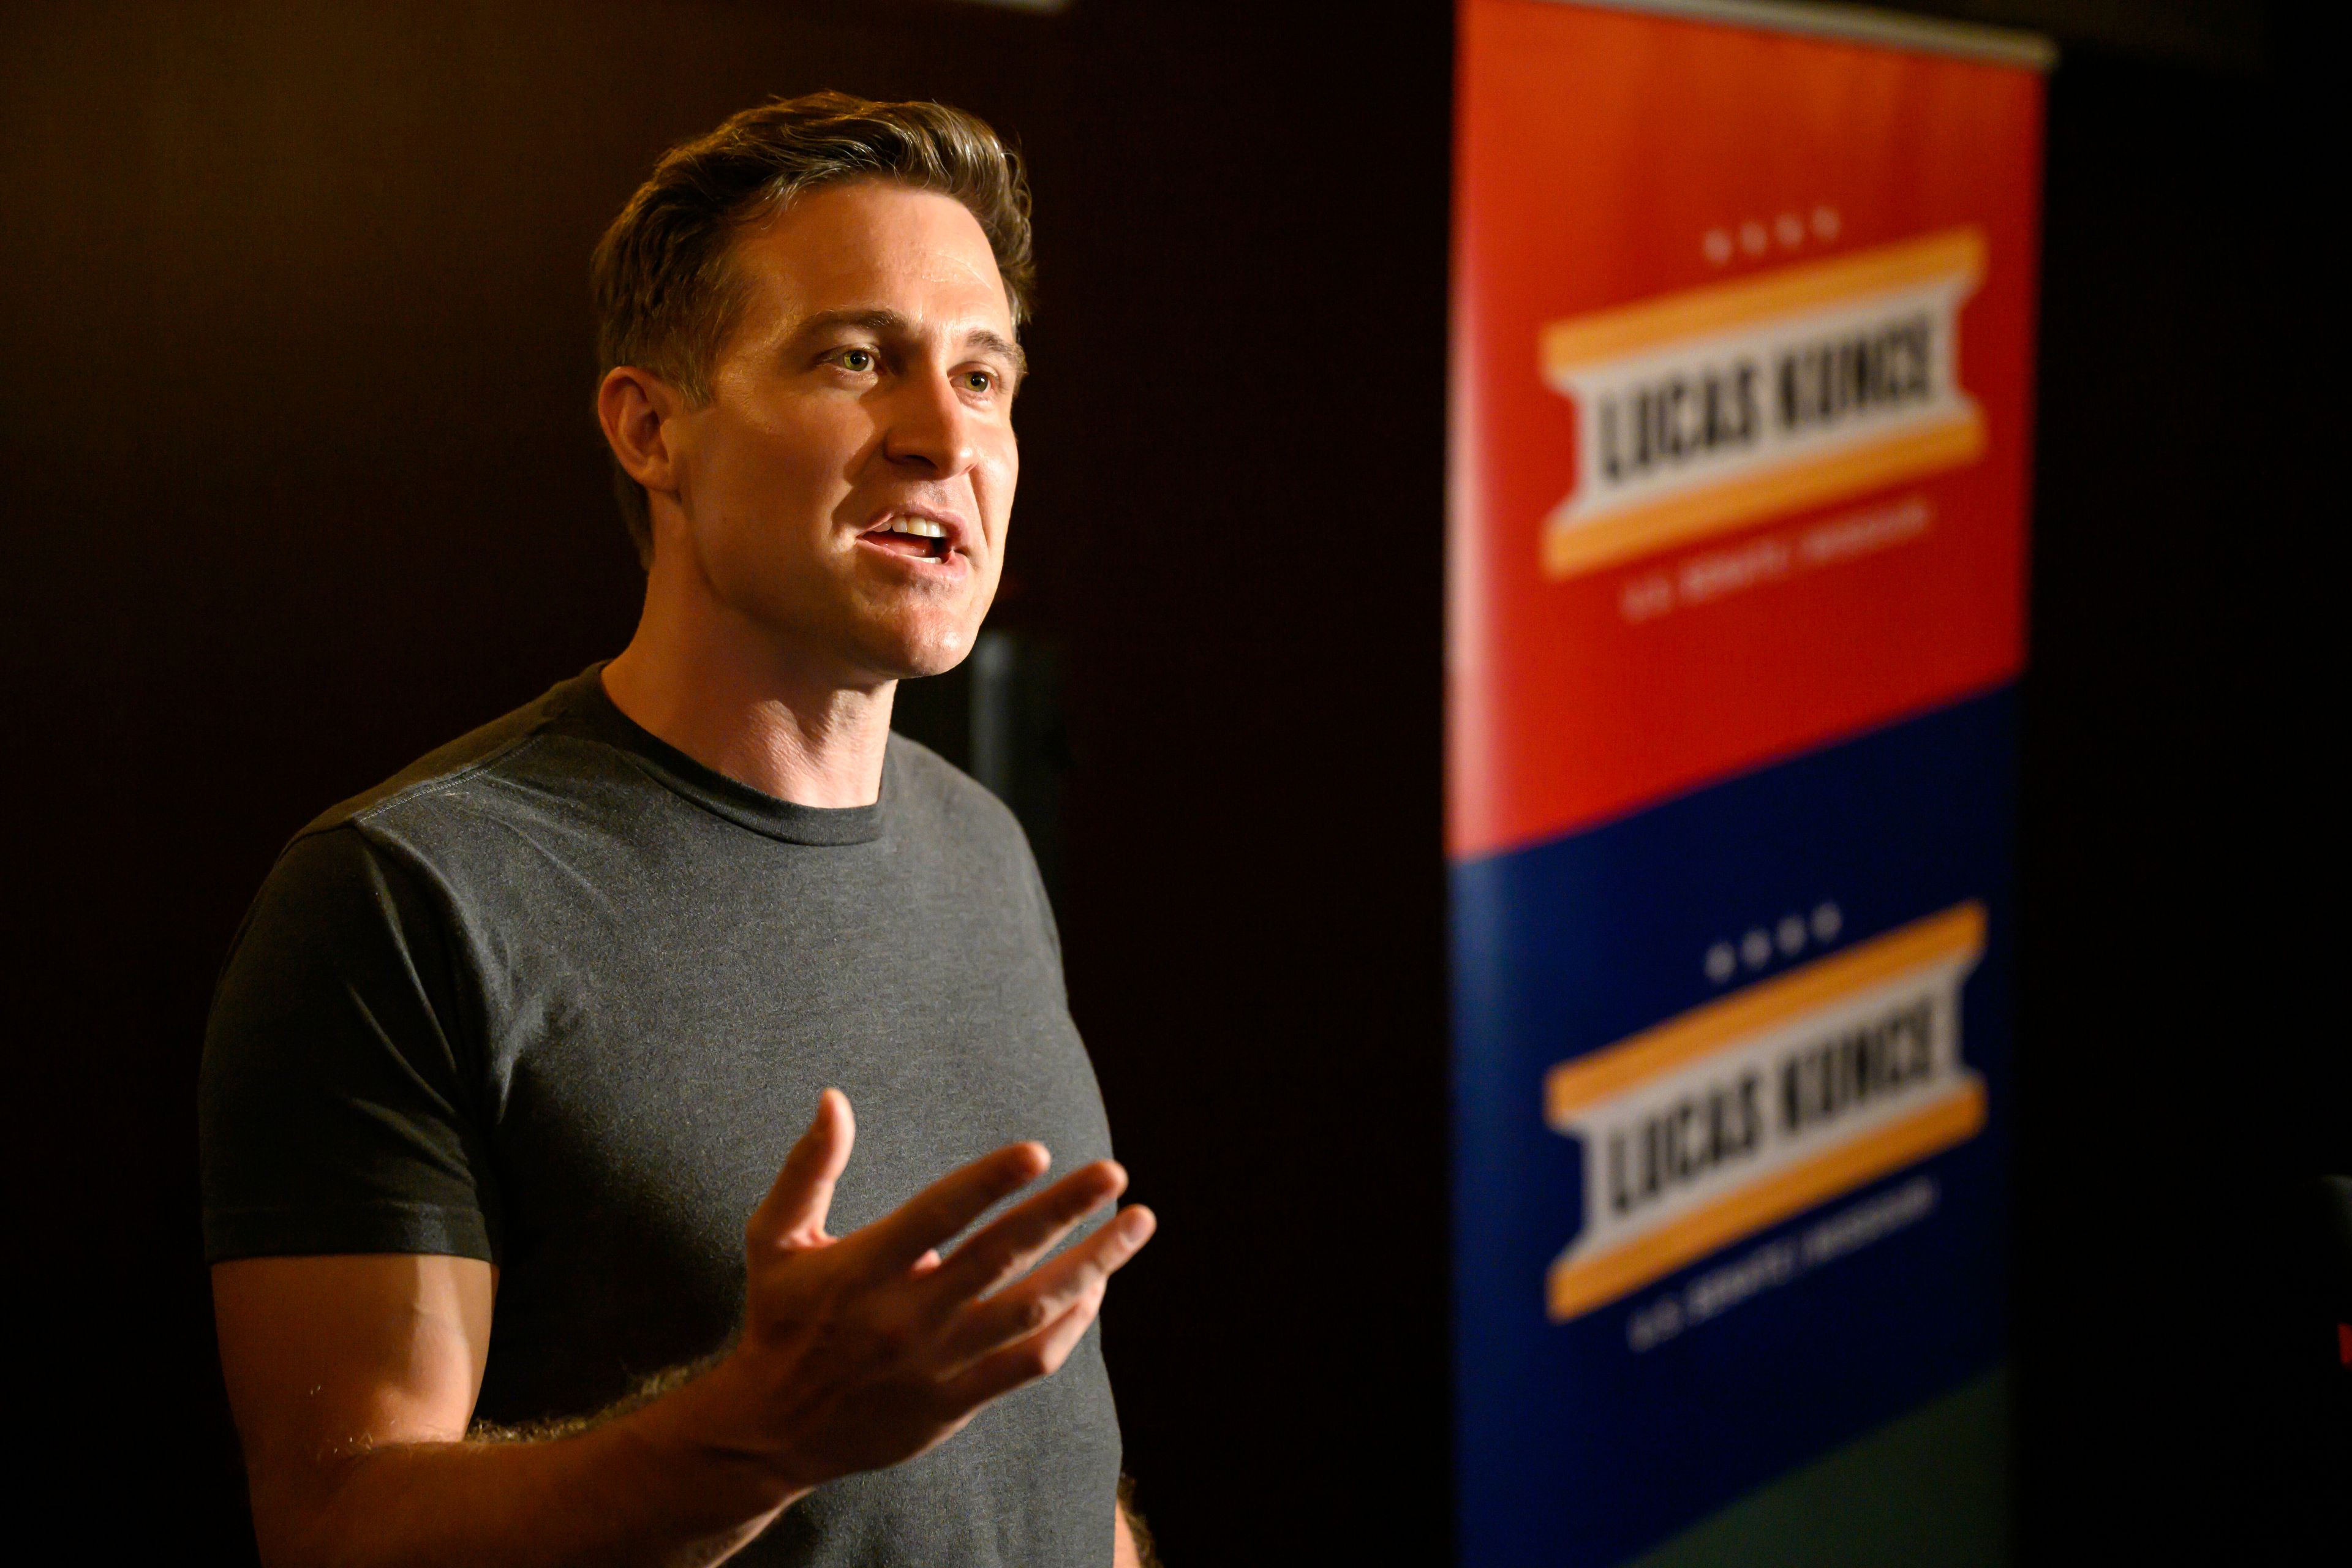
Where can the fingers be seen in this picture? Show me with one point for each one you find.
(793, 1212)
(1015, 1315)
(1081, 1276)
(1016, 1240)
(1039, 1356)
(890, 1247)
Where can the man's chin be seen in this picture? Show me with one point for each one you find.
(916, 652)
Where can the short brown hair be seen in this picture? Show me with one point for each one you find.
(665, 299)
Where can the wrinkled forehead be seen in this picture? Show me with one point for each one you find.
(870, 245)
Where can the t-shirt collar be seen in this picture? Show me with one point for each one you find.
(593, 712)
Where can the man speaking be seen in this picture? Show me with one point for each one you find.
(521, 1252)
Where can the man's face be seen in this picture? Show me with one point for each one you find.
(848, 488)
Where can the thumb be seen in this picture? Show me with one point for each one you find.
(792, 1214)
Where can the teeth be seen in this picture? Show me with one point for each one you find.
(920, 528)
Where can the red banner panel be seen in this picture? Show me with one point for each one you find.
(1742, 346)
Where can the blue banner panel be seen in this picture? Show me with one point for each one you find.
(1732, 1084)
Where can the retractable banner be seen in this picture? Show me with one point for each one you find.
(1741, 372)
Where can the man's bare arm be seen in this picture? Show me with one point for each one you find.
(353, 1379)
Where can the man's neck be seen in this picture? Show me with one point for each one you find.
(719, 692)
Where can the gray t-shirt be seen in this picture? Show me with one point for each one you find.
(560, 997)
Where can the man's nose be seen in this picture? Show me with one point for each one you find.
(930, 427)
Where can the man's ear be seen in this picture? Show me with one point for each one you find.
(636, 409)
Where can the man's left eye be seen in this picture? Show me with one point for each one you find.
(979, 380)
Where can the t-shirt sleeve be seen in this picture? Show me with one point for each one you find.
(340, 1108)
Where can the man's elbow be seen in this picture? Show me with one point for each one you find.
(322, 1511)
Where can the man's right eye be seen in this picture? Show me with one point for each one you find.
(857, 361)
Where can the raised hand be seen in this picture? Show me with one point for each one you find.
(862, 1350)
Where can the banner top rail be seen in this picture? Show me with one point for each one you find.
(1857, 23)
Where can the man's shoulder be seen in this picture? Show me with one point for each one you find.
(935, 794)
(962, 821)
(464, 777)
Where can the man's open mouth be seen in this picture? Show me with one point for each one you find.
(915, 536)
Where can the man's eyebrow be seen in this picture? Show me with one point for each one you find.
(891, 323)
(886, 322)
(997, 343)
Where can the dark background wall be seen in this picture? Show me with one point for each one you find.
(296, 479)
(2182, 1064)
